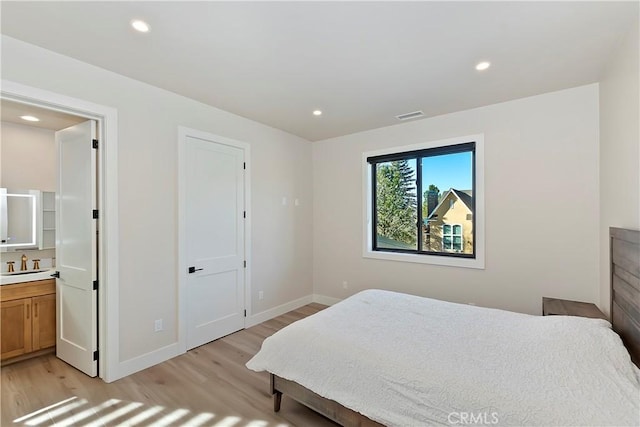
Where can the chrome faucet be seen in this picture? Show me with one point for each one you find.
(23, 265)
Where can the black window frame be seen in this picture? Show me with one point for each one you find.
(418, 155)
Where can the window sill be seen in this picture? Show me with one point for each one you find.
(477, 263)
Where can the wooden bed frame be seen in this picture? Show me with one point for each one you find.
(327, 407)
(625, 319)
(625, 288)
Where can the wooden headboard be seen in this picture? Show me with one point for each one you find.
(625, 288)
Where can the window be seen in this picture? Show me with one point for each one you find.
(422, 203)
(452, 238)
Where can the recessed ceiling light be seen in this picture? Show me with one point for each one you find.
(140, 25)
(30, 118)
(481, 66)
(317, 112)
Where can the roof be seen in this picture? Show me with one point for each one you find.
(463, 195)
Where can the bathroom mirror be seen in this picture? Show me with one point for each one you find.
(19, 219)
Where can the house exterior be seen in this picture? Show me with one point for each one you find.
(449, 225)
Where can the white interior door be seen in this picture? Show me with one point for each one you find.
(76, 260)
(214, 228)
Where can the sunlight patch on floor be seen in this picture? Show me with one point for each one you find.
(75, 419)
(228, 422)
(142, 416)
(60, 410)
(171, 418)
(105, 420)
(112, 413)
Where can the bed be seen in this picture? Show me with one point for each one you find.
(408, 360)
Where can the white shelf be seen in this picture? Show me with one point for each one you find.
(48, 236)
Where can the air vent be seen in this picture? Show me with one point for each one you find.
(413, 115)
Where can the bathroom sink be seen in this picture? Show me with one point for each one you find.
(17, 273)
(26, 276)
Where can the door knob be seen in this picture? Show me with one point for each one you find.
(193, 269)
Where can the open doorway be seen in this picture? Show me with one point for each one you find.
(57, 108)
(50, 156)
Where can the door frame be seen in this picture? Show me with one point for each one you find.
(108, 242)
(183, 134)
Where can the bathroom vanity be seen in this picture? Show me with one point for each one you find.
(28, 327)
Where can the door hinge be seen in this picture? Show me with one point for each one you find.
(245, 264)
(245, 313)
(95, 285)
(244, 214)
(95, 214)
(244, 165)
(95, 355)
(94, 143)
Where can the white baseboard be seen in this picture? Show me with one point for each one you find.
(254, 319)
(324, 300)
(152, 358)
(144, 361)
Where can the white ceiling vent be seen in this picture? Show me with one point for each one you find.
(413, 115)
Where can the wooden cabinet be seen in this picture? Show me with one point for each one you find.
(44, 321)
(28, 315)
(16, 328)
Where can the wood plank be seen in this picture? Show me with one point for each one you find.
(624, 234)
(624, 275)
(626, 255)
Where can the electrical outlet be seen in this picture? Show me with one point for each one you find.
(261, 295)
(157, 325)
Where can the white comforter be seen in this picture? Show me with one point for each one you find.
(404, 360)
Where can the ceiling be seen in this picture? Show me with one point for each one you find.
(53, 120)
(361, 63)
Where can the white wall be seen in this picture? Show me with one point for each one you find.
(619, 150)
(28, 158)
(148, 119)
(541, 186)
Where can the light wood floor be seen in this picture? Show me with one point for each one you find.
(207, 386)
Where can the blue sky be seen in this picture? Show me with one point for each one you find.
(448, 171)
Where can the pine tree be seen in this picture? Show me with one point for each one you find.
(396, 202)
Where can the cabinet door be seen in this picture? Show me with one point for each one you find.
(15, 329)
(44, 321)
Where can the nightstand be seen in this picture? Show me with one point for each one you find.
(563, 307)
